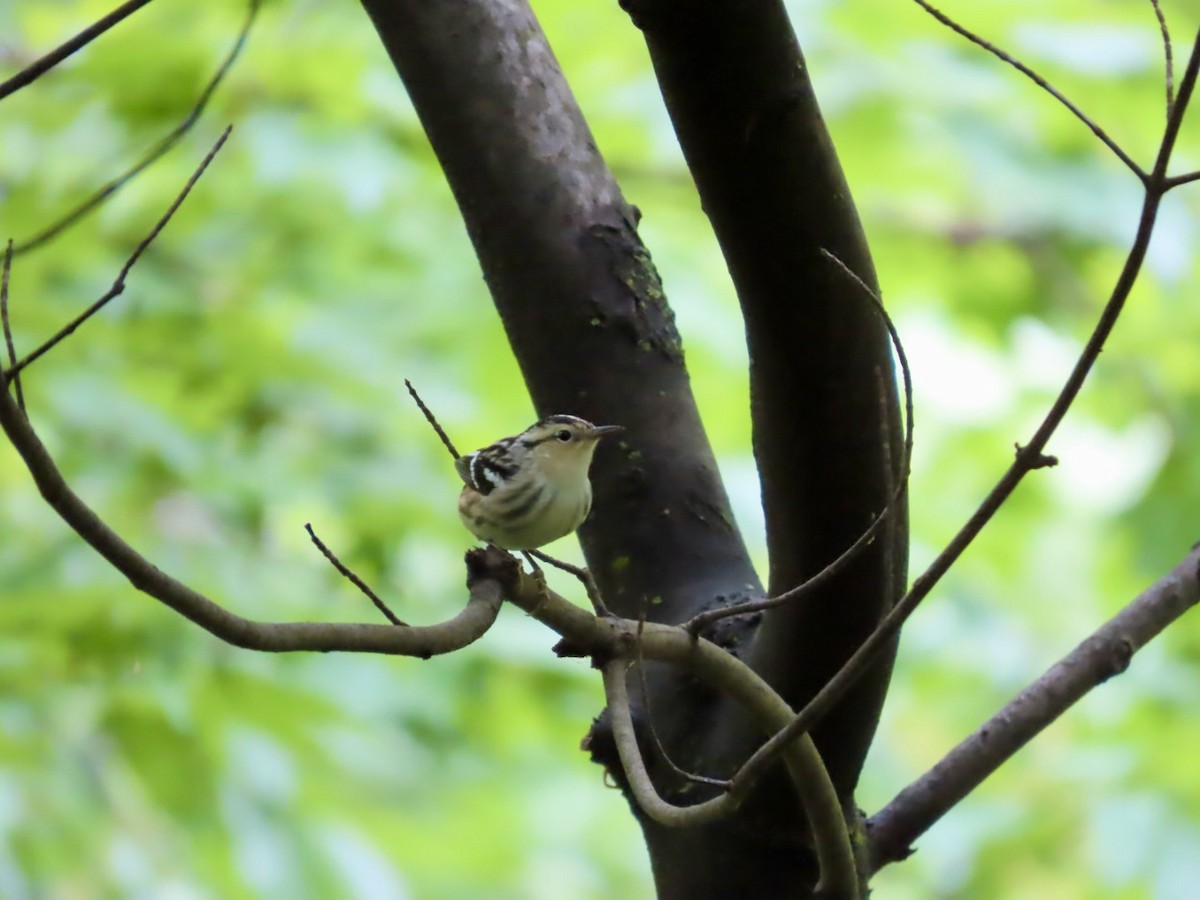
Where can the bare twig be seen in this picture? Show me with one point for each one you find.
(1177, 180)
(353, 578)
(1105, 653)
(1187, 85)
(431, 419)
(118, 286)
(702, 620)
(1028, 457)
(723, 783)
(8, 337)
(40, 67)
(1039, 81)
(1168, 57)
(157, 151)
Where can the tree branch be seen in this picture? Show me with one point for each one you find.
(1178, 180)
(40, 67)
(1105, 653)
(839, 877)
(1168, 55)
(157, 151)
(446, 637)
(740, 98)
(642, 788)
(424, 642)
(698, 623)
(1041, 82)
(118, 286)
(626, 641)
(1028, 458)
(10, 349)
(558, 248)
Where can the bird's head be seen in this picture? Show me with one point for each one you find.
(562, 445)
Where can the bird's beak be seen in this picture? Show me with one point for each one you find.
(599, 431)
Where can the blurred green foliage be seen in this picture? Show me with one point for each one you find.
(250, 380)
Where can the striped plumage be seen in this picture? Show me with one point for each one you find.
(530, 489)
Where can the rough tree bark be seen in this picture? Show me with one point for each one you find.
(589, 324)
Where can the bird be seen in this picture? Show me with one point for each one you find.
(528, 490)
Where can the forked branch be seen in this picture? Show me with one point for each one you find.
(156, 152)
(118, 286)
(1041, 82)
(699, 622)
(1029, 457)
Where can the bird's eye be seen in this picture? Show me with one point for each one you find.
(563, 435)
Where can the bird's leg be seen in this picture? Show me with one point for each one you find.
(540, 577)
(537, 570)
(580, 572)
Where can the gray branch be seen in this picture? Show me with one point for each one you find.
(1105, 653)
(445, 637)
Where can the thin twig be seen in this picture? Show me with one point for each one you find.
(1028, 457)
(720, 783)
(354, 579)
(431, 419)
(8, 336)
(157, 151)
(582, 573)
(1168, 57)
(40, 67)
(1038, 80)
(1177, 180)
(1187, 85)
(702, 620)
(118, 286)
(1105, 653)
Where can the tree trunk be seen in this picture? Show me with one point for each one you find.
(589, 324)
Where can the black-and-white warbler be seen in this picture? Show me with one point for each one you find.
(525, 491)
